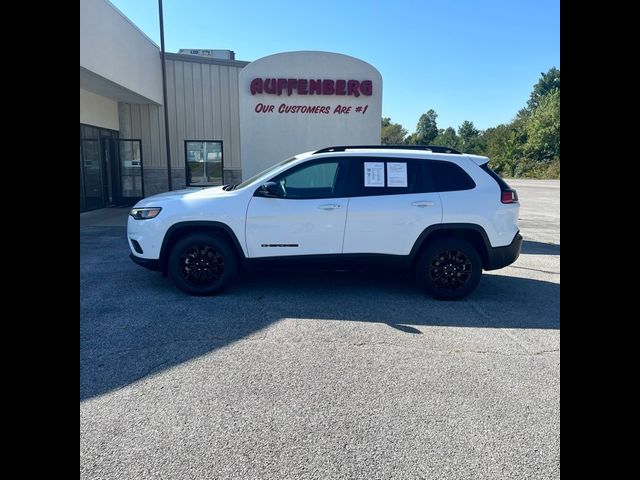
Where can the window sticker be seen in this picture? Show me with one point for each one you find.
(374, 174)
(397, 174)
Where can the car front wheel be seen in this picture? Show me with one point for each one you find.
(449, 268)
(202, 264)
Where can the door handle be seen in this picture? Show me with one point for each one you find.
(329, 206)
(423, 203)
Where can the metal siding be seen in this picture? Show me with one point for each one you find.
(198, 100)
(180, 121)
(135, 121)
(144, 127)
(189, 100)
(234, 158)
(225, 109)
(217, 101)
(152, 156)
(207, 102)
(124, 119)
(162, 143)
(202, 103)
(171, 113)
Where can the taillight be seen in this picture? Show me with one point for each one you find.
(509, 196)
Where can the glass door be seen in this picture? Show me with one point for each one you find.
(131, 180)
(91, 173)
(110, 181)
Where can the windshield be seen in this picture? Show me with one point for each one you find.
(264, 172)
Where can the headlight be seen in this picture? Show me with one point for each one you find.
(145, 213)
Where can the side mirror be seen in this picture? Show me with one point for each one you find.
(270, 190)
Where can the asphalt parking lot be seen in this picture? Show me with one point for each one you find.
(322, 375)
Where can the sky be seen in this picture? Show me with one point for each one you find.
(466, 59)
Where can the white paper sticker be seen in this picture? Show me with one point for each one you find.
(374, 174)
(397, 174)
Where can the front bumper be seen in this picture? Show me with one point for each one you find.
(151, 264)
(498, 257)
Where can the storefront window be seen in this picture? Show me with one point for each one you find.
(203, 162)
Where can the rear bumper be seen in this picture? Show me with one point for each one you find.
(498, 257)
(149, 263)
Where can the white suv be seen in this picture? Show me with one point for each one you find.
(431, 210)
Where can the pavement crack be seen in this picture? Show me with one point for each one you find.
(489, 352)
(537, 270)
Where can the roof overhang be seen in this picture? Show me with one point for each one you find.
(101, 86)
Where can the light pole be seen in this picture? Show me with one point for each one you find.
(164, 95)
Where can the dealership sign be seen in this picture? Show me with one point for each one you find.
(303, 86)
(297, 101)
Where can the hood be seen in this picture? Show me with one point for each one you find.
(184, 194)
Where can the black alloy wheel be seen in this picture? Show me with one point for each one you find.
(202, 264)
(449, 268)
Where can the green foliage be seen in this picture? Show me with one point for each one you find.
(549, 82)
(448, 138)
(392, 133)
(504, 147)
(412, 139)
(528, 146)
(427, 128)
(471, 140)
(543, 130)
(467, 131)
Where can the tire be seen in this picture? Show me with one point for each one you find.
(201, 264)
(449, 268)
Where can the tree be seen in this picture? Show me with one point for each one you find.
(392, 133)
(504, 147)
(447, 138)
(543, 130)
(549, 82)
(427, 128)
(467, 131)
(471, 140)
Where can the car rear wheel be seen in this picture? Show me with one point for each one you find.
(449, 268)
(202, 264)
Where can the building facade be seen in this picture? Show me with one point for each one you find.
(221, 126)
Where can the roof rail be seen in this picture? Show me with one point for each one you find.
(429, 148)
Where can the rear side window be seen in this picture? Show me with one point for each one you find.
(373, 176)
(448, 177)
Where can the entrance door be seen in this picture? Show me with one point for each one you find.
(91, 171)
(131, 179)
(110, 178)
(99, 168)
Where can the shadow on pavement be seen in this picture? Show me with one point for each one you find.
(539, 248)
(134, 323)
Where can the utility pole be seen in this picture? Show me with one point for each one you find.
(164, 95)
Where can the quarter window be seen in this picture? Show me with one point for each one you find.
(448, 177)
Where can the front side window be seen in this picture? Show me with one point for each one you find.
(318, 180)
(204, 163)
